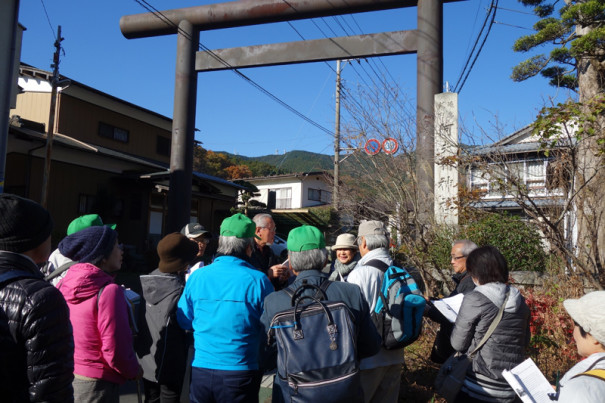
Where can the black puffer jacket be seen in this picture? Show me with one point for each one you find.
(36, 341)
(506, 346)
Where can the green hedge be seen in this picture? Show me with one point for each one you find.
(519, 241)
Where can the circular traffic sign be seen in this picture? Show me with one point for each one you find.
(390, 145)
(372, 147)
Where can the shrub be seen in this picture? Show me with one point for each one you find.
(518, 240)
(551, 327)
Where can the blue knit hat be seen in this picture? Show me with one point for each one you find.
(89, 245)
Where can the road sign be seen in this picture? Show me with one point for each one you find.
(390, 145)
(372, 147)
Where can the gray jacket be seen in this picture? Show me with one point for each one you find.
(506, 346)
(162, 344)
(583, 389)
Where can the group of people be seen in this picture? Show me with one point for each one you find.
(205, 326)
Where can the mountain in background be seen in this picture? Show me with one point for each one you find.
(292, 161)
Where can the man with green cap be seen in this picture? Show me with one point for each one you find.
(307, 256)
(222, 303)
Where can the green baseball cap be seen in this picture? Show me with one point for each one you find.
(239, 226)
(86, 221)
(306, 237)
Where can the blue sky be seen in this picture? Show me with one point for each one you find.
(234, 116)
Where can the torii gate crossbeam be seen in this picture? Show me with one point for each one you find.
(188, 22)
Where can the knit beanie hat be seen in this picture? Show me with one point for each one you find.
(176, 251)
(24, 224)
(89, 245)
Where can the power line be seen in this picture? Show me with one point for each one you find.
(274, 97)
(466, 72)
(48, 19)
(514, 26)
(516, 11)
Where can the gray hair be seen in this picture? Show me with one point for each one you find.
(261, 219)
(467, 246)
(233, 246)
(374, 241)
(313, 259)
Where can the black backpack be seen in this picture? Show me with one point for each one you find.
(316, 349)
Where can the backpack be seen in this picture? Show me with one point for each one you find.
(317, 349)
(399, 308)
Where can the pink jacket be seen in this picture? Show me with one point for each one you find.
(102, 336)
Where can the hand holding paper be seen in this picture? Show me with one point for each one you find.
(449, 307)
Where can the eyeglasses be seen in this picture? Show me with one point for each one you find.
(458, 257)
(270, 229)
(205, 241)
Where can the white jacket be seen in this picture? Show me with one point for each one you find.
(583, 389)
(369, 279)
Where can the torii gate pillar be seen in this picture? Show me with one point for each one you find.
(429, 73)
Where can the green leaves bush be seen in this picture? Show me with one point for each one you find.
(519, 241)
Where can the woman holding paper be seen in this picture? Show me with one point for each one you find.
(505, 346)
(585, 381)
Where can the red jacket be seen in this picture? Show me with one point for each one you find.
(102, 336)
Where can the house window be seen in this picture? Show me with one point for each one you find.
(162, 146)
(112, 132)
(283, 198)
(479, 180)
(319, 195)
(536, 174)
(498, 176)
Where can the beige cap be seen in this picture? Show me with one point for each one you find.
(373, 227)
(589, 312)
(345, 241)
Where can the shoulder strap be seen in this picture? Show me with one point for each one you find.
(493, 325)
(59, 270)
(597, 373)
(378, 264)
(323, 287)
(12, 275)
(99, 296)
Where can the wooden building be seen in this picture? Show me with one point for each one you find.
(109, 157)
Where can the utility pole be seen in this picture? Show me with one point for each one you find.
(51, 118)
(336, 138)
(9, 16)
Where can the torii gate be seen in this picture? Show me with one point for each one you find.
(426, 41)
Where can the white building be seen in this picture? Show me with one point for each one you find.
(294, 191)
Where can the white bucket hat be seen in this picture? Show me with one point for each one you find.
(589, 312)
(345, 241)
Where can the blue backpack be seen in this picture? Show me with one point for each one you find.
(400, 306)
(317, 349)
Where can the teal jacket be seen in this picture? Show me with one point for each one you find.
(222, 303)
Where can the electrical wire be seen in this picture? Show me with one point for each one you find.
(52, 29)
(274, 97)
(466, 72)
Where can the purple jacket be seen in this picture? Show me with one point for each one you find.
(103, 340)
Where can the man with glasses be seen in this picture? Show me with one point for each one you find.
(197, 233)
(442, 348)
(263, 257)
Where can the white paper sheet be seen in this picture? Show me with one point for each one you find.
(449, 307)
(529, 383)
